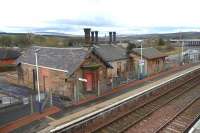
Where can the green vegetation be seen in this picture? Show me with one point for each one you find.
(5, 41)
(165, 47)
(161, 42)
(175, 50)
(6, 68)
(130, 47)
(25, 40)
(91, 67)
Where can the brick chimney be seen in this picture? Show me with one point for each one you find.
(92, 37)
(110, 37)
(96, 37)
(114, 37)
(87, 35)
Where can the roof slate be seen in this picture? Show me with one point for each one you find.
(149, 53)
(110, 52)
(8, 53)
(68, 59)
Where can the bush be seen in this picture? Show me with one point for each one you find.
(161, 42)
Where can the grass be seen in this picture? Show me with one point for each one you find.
(168, 50)
(7, 68)
(173, 52)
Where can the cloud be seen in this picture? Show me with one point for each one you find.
(77, 29)
(97, 21)
(123, 16)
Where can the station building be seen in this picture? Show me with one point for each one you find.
(60, 71)
(115, 56)
(103, 65)
(153, 61)
(8, 56)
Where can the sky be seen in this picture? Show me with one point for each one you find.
(122, 16)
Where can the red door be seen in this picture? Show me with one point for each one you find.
(89, 83)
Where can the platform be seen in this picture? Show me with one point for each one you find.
(67, 120)
(9, 127)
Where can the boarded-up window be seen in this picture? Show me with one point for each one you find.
(44, 72)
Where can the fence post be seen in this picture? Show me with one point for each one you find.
(51, 99)
(31, 103)
(99, 93)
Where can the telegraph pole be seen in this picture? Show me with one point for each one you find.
(38, 82)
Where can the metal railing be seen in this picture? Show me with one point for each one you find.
(102, 111)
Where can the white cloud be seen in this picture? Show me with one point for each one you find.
(124, 13)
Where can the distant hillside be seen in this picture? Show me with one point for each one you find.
(184, 35)
(65, 40)
(42, 39)
(52, 34)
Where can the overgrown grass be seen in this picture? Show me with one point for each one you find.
(168, 50)
(173, 52)
(7, 68)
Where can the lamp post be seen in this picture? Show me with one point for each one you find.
(182, 52)
(38, 82)
(141, 61)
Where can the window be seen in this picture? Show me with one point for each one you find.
(157, 61)
(27, 72)
(118, 68)
(126, 66)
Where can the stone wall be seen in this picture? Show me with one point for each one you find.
(58, 81)
(48, 80)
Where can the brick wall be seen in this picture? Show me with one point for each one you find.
(48, 79)
(7, 62)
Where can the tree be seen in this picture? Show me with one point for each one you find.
(130, 47)
(5, 41)
(161, 42)
(24, 40)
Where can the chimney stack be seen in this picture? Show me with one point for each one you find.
(114, 37)
(96, 37)
(110, 37)
(92, 37)
(87, 36)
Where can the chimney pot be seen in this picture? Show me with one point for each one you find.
(92, 37)
(114, 37)
(87, 35)
(110, 37)
(96, 37)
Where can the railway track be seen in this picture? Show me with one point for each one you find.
(138, 117)
(182, 120)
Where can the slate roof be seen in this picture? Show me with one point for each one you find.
(9, 53)
(149, 53)
(110, 52)
(67, 59)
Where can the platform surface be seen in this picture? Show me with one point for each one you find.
(132, 93)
